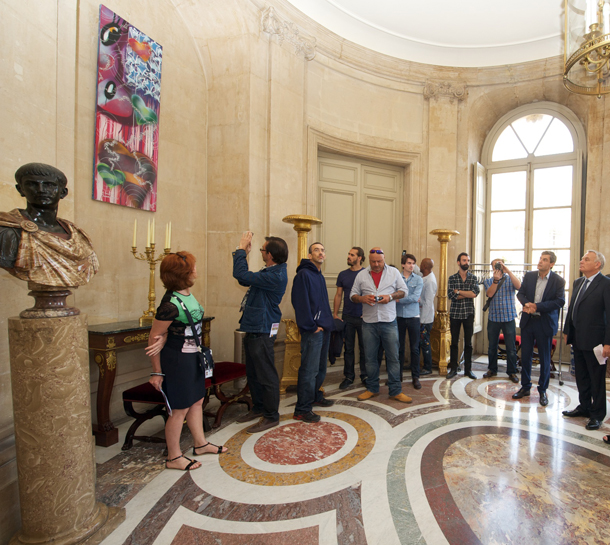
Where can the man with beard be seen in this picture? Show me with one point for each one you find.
(463, 287)
(351, 316)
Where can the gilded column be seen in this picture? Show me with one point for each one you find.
(440, 337)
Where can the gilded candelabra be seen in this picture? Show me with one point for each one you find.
(149, 255)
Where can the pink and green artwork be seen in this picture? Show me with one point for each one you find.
(126, 114)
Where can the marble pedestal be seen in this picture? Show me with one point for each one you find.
(52, 417)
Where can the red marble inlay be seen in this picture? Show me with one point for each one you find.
(299, 443)
(188, 535)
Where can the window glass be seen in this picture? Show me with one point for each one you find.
(507, 230)
(557, 139)
(508, 146)
(531, 128)
(553, 187)
(508, 191)
(552, 228)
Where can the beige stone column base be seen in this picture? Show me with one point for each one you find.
(52, 418)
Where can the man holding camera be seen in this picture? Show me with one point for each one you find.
(377, 288)
(500, 290)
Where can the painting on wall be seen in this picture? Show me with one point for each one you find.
(126, 114)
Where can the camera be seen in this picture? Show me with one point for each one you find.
(378, 298)
(498, 265)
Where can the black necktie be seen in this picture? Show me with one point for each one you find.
(579, 297)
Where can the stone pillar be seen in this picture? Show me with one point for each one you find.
(52, 417)
(440, 336)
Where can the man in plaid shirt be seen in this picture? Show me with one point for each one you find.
(463, 287)
(502, 314)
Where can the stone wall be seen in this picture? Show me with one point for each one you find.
(245, 107)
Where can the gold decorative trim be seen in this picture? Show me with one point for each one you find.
(110, 343)
(99, 359)
(445, 89)
(137, 338)
(286, 30)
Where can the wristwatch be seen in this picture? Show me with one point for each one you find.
(391, 298)
(458, 292)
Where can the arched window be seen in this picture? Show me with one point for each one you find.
(533, 159)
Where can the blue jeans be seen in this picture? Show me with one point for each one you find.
(353, 325)
(493, 333)
(262, 375)
(384, 334)
(424, 345)
(412, 326)
(314, 354)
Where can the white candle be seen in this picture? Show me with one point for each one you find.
(152, 232)
(148, 235)
(135, 230)
(166, 235)
(169, 244)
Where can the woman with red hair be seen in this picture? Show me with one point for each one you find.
(176, 368)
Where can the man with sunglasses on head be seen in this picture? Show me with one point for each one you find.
(377, 289)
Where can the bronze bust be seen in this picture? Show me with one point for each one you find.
(36, 245)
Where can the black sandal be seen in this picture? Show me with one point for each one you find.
(187, 468)
(606, 439)
(220, 451)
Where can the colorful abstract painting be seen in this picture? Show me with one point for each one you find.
(126, 114)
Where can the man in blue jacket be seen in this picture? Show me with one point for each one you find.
(315, 321)
(542, 295)
(260, 320)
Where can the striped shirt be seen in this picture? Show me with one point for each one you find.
(502, 306)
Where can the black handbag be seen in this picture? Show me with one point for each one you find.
(204, 354)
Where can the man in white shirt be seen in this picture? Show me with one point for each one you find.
(377, 288)
(426, 305)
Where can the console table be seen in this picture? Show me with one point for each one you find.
(104, 341)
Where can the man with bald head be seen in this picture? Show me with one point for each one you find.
(377, 288)
(426, 306)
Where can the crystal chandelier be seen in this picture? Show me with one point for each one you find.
(587, 47)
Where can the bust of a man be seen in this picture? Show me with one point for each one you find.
(35, 244)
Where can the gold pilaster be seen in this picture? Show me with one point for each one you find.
(292, 356)
(440, 336)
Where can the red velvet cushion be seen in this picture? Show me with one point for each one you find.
(226, 371)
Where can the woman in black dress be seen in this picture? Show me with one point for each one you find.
(176, 368)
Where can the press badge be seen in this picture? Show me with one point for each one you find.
(274, 328)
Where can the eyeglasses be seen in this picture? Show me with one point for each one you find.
(262, 249)
(376, 252)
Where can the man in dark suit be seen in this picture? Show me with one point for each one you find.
(588, 326)
(542, 295)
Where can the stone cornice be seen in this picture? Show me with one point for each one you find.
(272, 24)
(445, 89)
(359, 58)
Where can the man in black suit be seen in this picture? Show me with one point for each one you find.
(542, 295)
(588, 326)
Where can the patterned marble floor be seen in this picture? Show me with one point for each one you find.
(463, 464)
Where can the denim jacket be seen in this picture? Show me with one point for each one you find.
(408, 306)
(266, 289)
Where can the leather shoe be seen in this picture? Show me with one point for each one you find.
(264, 424)
(425, 372)
(470, 374)
(402, 398)
(416, 384)
(593, 424)
(249, 416)
(452, 373)
(574, 413)
(366, 395)
(345, 384)
(544, 401)
(489, 374)
(521, 393)
(514, 378)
